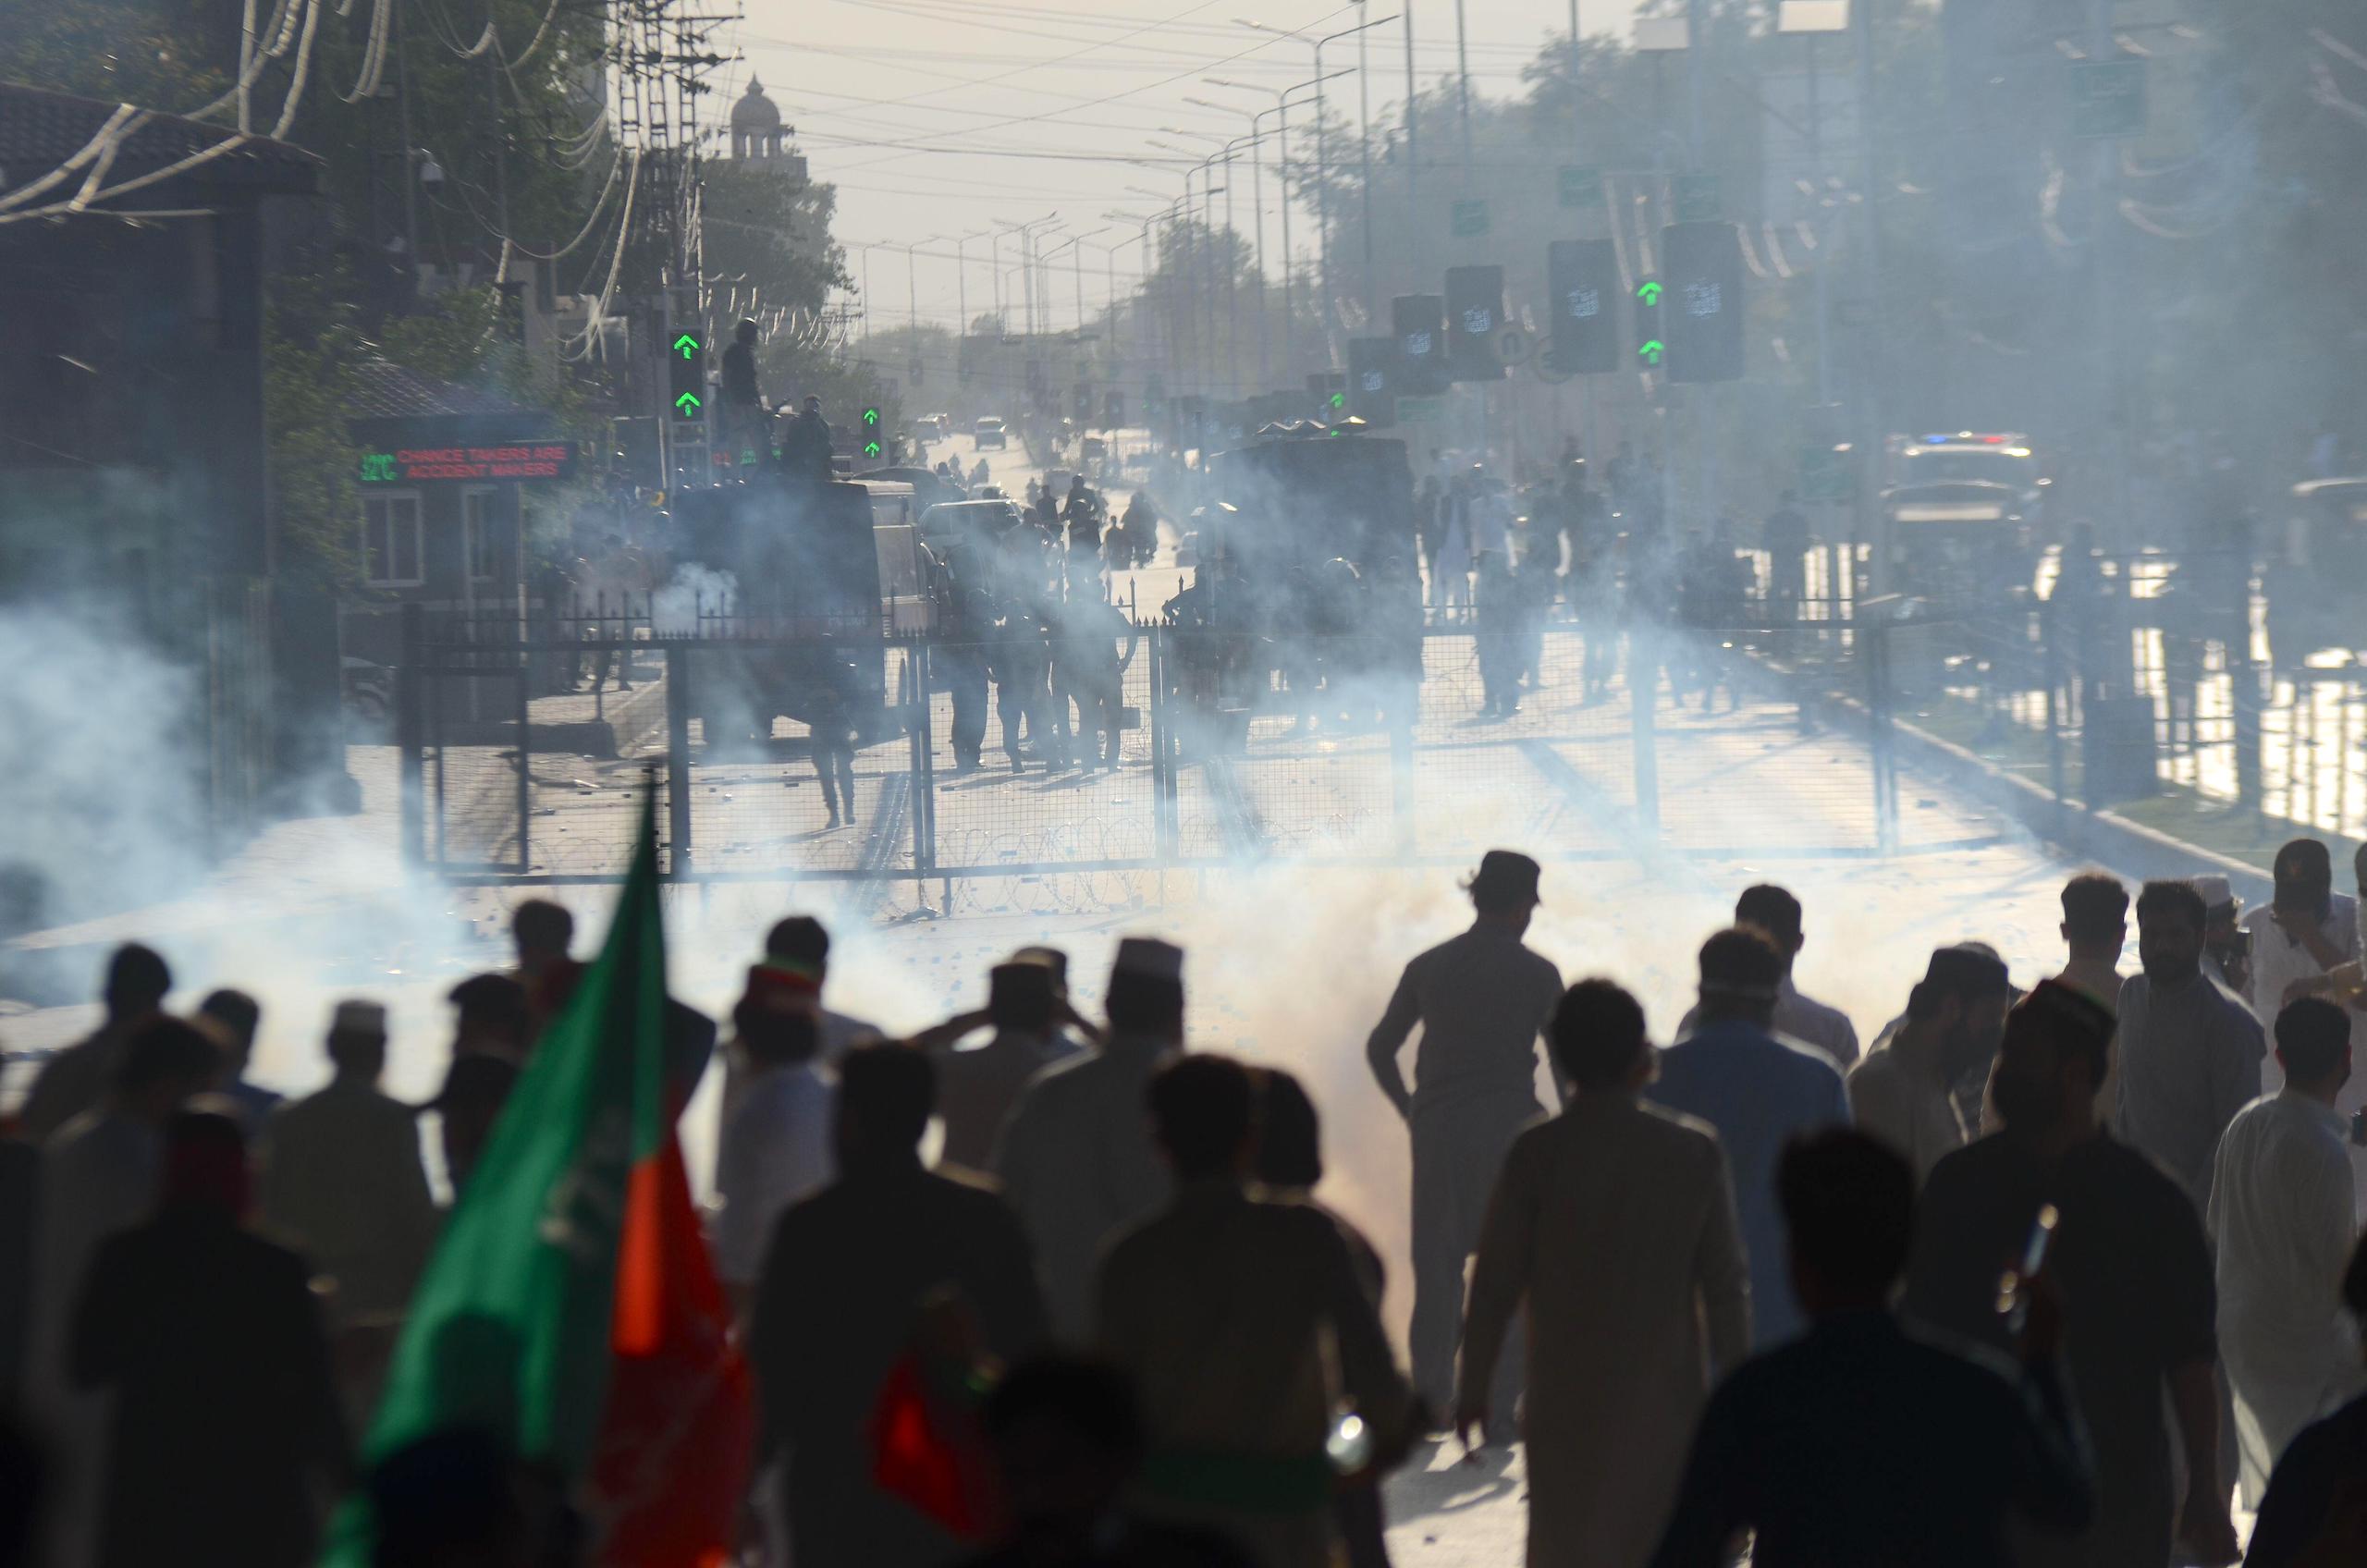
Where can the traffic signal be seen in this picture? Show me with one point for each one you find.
(1083, 403)
(1420, 323)
(1328, 390)
(1583, 275)
(1475, 314)
(686, 373)
(1651, 347)
(874, 440)
(1701, 263)
(1372, 380)
(1113, 410)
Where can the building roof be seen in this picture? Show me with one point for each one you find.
(383, 389)
(755, 111)
(40, 129)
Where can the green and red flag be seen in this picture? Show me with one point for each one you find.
(570, 1307)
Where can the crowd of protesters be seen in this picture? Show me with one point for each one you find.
(2055, 1275)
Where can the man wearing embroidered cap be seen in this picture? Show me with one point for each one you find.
(1076, 1159)
(1483, 1000)
(344, 1183)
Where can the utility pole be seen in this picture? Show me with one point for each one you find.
(1413, 162)
(1462, 73)
(1363, 154)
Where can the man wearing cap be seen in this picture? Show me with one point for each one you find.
(2129, 1264)
(1904, 1094)
(978, 1086)
(2190, 1054)
(2226, 947)
(344, 1185)
(1759, 1091)
(1798, 1017)
(1077, 1159)
(1483, 1000)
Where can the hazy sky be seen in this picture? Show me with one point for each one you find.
(947, 117)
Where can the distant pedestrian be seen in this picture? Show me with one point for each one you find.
(236, 1016)
(806, 446)
(743, 424)
(978, 1086)
(2226, 945)
(1902, 1095)
(1615, 1225)
(345, 1184)
(1797, 1016)
(1787, 537)
(846, 1277)
(2283, 1220)
(774, 1150)
(2190, 1054)
(2129, 1261)
(1483, 1000)
(1076, 1159)
(1859, 1445)
(2315, 1513)
(1248, 1332)
(224, 1431)
(2305, 930)
(1758, 1091)
(76, 1079)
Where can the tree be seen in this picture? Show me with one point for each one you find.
(767, 239)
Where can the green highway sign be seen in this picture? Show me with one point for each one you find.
(687, 405)
(1824, 473)
(2107, 98)
(1649, 291)
(1578, 185)
(1469, 219)
(687, 346)
(1652, 351)
(1696, 198)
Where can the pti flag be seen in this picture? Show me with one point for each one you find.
(571, 1308)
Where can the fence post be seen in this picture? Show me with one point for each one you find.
(1643, 693)
(525, 771)
(1878, 737)
(410, 739)
(2050, 655)
(677, 758)
(2243, 681)
(1155, 717)
(919, 725)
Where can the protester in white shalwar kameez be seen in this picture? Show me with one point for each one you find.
(2283, 1222)
(1614, 1223)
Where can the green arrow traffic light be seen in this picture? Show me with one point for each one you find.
(687, 345)
(686, 404)
(1339, 399)
(871, 449)
(1650, 352)
(871, 419)
(1649, 291)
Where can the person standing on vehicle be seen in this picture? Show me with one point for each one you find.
(743, 407)
(1483, 1000)
(805, 446)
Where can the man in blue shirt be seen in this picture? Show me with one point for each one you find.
(1758, 1091)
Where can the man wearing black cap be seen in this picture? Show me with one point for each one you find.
(1758, 1090)
(2190, 1053)
(1904, 1094)
(1483, 1000)
(2128, 1260)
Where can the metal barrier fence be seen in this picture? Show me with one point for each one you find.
(1097, 750)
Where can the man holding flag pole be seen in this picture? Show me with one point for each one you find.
(570, 1313)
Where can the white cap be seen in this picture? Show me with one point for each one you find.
(1147, 958)
(359, 1018)
(2216, 892)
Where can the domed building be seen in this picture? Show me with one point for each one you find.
(759, 137)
